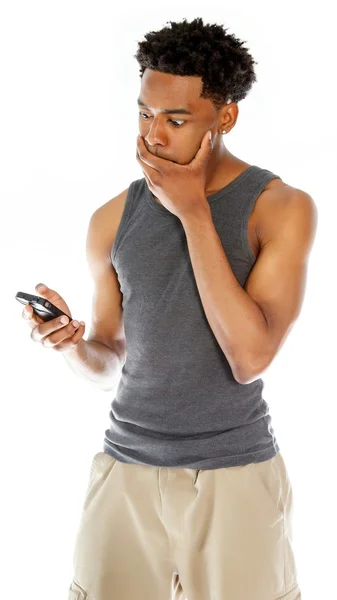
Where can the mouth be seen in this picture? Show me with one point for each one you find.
(155, 153)
(163, 157)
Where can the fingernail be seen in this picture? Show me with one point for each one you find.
(40, 286)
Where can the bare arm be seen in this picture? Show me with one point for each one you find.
(251, 323)
(101, 357)
(96, 362)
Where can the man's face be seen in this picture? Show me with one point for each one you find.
(176, 136)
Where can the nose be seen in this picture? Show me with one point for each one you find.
(155, 135)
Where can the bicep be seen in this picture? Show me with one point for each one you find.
(278, 279)
(107, 324)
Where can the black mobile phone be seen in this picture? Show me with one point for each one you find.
(41, 307)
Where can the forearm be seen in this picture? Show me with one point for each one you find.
(236, 320)
(96, 362)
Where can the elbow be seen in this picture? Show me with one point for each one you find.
(246, 378)
(242, 377)
(246, 373)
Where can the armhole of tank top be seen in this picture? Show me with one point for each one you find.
(244, 230)
(244, 222)
(123, 222)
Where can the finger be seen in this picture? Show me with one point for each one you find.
(67, 347)
(151, 176)
(42, 289)
(149, 183)
(206, 143)
(60, 335)
(27, 312)
(146, 157)
(44, 329)
(48, 293)
(204, 151)
(148, 171)
(30, 317)
(68, 343)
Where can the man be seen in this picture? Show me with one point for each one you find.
(199, 270)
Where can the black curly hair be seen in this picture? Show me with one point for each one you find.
(207, 51)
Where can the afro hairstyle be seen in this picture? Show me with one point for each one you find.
(200, 50)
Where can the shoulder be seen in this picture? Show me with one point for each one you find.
(104, 224)
(107, 217)
(284, 208)
(111, 207)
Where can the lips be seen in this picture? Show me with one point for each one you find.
(155, 153)
(161, 156)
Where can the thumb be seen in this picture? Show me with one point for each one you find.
(53, 296)
(46, 292)
(207, 143)
(209, 140)
(205, 149)
(41, 288)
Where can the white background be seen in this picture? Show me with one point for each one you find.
(69, 121)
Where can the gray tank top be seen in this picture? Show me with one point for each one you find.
(177, 403)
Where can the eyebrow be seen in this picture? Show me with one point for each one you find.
(165, 111)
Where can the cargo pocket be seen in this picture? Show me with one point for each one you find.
(76, 592)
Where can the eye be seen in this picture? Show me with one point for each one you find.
(181, 121)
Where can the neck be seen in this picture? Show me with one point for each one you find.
(222, 167)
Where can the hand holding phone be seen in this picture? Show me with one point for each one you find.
(43, 314)
(42, 307)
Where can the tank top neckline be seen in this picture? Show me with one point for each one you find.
(210, 198)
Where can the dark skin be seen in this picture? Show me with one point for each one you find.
(249, 323)
(166, 136)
